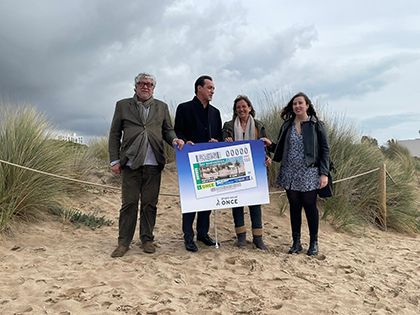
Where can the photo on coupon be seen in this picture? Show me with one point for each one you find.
(223, 170)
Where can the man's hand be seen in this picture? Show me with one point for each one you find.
(190, 142)
(213, 140)
(116, 169)
(179, 143)
(229, 139)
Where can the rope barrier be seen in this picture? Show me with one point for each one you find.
(355, 176)
(71, 179)
(341, 180)
(163, 194)
(277, 192)
(389, 175)
(59, 176)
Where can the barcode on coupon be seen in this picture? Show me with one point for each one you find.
(207, 157)
(220, 188)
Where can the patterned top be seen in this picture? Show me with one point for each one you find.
(293, 173)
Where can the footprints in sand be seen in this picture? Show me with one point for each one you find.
(243, 264)
(56, 268)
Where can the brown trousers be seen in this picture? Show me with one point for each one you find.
(142, 184)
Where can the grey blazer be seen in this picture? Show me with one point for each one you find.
(126, 124)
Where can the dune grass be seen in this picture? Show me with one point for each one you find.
(98, 149)
(27, 139)
(357, 199)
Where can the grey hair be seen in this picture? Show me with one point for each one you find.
(145, 76)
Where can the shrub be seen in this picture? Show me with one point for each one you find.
(27, 139)
(76, 216)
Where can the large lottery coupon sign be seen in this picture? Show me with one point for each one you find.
(222, 175)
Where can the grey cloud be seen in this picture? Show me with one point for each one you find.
(75, 59)
(386, 121)
(51, 54)
(395, 38)
(355, 79)
(272, 52)
(394, 126)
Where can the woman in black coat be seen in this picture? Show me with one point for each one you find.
(302, 147)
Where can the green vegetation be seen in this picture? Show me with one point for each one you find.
(27, 139)
(98, 149)
(76, 216)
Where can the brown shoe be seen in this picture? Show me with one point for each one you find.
(148, 247)
(119, 251)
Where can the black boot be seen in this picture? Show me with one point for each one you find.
(296, 246)
(241, 239)
(258, 241)
(313, 246)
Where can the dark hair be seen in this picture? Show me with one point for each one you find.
(246, 99)
(201, 82)
(287, 111)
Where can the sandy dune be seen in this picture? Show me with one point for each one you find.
(58, 268)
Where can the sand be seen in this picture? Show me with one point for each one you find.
(54, 267)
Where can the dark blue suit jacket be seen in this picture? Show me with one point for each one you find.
(196, 124)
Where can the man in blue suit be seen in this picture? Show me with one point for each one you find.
(198, 121)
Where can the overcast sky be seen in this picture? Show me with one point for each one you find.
(74, 59)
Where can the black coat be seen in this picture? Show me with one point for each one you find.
(195, 123)
(315, 143)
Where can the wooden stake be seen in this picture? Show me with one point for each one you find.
(382, 196)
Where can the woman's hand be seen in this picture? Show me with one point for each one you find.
(266, 141)
(229, 139)
(323, 181)
(267, 161)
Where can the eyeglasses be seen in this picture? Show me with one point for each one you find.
(145, 84)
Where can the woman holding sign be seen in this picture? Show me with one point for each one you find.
(243, 126)
(302, 147)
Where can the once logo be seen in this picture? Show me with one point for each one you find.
(227, 201)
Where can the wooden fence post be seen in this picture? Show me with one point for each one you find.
(382, 196)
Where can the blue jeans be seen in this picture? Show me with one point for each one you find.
(255, 213)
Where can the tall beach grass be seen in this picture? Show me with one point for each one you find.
(27, 138)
